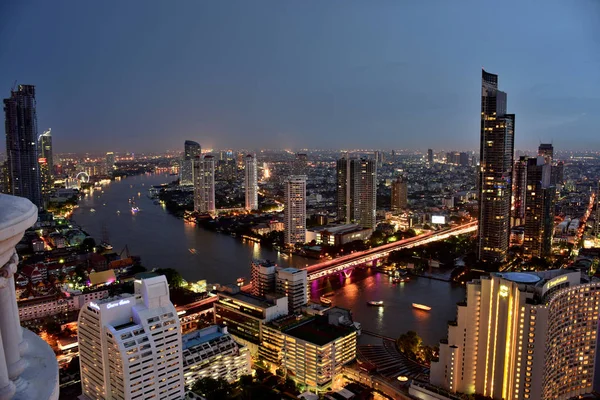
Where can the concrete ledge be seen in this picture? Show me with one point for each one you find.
(40, 378)
(17, 214)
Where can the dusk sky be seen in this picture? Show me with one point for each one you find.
(146, 75)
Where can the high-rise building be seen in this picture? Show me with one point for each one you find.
(523, 336)
(495, 174)
(295, 210)
(251, 183)
(4, 186)
(46, 164)
(463, 159)
(430, 156)
(130, 345)
(262, 275)
(399, 194)
(203, 173)
(191, 150)
(519, 190)
(357, 191)
(597, 222)
(546, 150)
(293, 283)
(539, 208)
(212, 353)
(110, 162)
(22, 144)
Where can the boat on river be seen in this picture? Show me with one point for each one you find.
(325, 300)
(375, 303)
(421, 307)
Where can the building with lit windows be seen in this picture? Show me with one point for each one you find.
(22, 144)
(399, 194)
(496, 163)
(539, 208)
(191, 150)
(251, 183)
(262, 275)
(130, 345)
(293, 283)
(212, 353)
(356, 191)
(523, 336)
(309, 349)
(110, 163)
(45, 162)
(244, 314)
(295, 210)
(204, 184)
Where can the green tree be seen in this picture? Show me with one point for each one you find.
(409, 343)
(88, 244)
(212, 389)
(173, 277)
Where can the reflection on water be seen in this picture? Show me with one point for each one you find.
(165, 241)
(397, 316)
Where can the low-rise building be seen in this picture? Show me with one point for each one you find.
(45, 306)
(212, 352)
(336, 235)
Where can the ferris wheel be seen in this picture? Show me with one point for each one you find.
(83, 177)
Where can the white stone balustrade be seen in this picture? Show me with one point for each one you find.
(28, 367)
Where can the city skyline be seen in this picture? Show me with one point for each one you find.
(309, 77)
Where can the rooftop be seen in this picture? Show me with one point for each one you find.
(520, 277)
(202, 336)
(318, 331)
(248, 298)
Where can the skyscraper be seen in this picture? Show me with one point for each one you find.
(496, 163)
(357, 191)
(430, 156)
(251, 183)
(293, 283)
(523, 336)
(399, 194)
(45, 161)
(191, 150)
(130, 345)
(203, 174)
(546, 150)
(519, 189)
(300, 164)
(22, 144)
(295, 210)
(110, 162)
(539, 208)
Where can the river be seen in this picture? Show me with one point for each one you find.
(162, 240)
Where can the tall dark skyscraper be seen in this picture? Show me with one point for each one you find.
(45, 161)
(430, 156)
(519, 189)
(22, 144)
(191, 150)
(495, 174)
(357, 191)
(399, 194)
(546, 150)
(539, 208)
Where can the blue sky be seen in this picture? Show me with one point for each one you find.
(146, 75)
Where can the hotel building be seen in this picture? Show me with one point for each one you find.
(212, 353)
(130, 345)
(523, 336)
(310, 350)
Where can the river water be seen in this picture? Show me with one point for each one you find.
(164, 241)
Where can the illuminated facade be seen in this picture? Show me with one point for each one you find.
(130, 346)
(310, 350)
(262, 275)
(45, 162)
(357, 191)
(496, 163)
(522, 336)
(519, 187)
(191, 150)
(22, 144)
(293, 283)
(251, 183)
(204, 184)
(212, 353)
(295, 210)
(110, 163)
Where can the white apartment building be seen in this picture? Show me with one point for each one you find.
(212, 352)
(293, 283)
(40, 307)
(251, 183)
(130, 346)
(204, 184)
(262, 275)
(523, 336)
(295, 210)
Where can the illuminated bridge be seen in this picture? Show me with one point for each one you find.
(350, 261)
